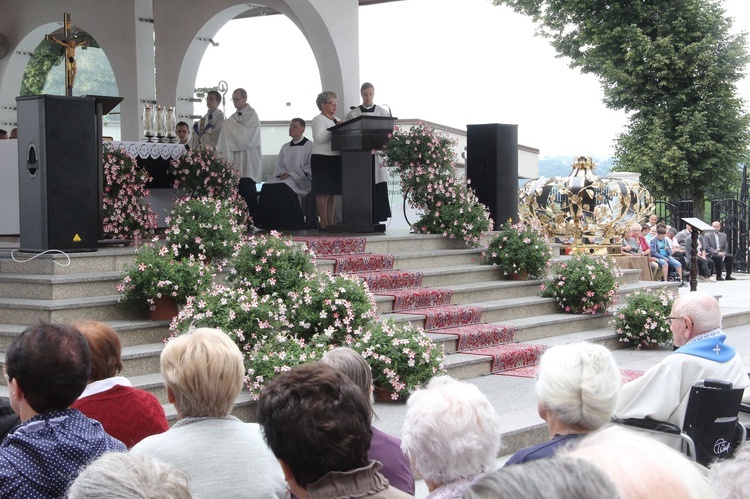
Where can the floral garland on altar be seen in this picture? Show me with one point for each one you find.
(425, 162)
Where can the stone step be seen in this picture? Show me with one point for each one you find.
(59, 287)
(97, 308)
(410, 242)
(103, 260)
(131, 332)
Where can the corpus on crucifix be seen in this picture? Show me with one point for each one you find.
(68, 41)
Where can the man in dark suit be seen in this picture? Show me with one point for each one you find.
(717, 249)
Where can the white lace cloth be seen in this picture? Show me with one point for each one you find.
(154, 150)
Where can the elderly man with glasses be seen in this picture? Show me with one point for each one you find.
(717, 249)
(662, 392)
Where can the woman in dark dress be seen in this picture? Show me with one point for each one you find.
(325, 163)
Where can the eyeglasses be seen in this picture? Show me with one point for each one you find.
(330, 103)
(238, 98)
(670, 319)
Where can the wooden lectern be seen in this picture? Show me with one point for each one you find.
(357, 139)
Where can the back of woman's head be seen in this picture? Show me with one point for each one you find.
(204, 370)
(579, 383)
(351, 363)
(451, 431)
(558, 478)
(105, 347)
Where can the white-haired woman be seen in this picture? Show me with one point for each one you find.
(451, 434)
(224, 457)
(577, 389)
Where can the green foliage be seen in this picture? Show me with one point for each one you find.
(518, 247)
(45, 72)
(674, 67)
(272, 264)
(584, 284)
(643, 321)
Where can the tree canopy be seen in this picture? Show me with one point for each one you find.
(673, 66)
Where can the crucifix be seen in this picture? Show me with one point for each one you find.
(69, 43)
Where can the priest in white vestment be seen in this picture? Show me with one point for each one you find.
(239, 140)
(206, 131)
(663, 391)
(381, 204)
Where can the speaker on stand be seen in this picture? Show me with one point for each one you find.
(492, 167)
(58, 173)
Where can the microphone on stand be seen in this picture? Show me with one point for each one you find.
(390, 113)
(352, 108)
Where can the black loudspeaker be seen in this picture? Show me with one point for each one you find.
(492, 168)
(58, 173)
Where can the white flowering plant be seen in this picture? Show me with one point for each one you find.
(643, 320)
(425, 162)
(204, 172)
(271, 263)
(517, 247)
(585, 284)
(205, 227)
(401, 357)
(156, 272)
(126, 214)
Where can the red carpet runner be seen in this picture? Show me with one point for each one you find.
(409, 296)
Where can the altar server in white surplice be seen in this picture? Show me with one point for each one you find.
(239, 140)
(278, 205)
(381, 204)
(206, 132)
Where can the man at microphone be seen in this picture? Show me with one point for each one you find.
(381, 209)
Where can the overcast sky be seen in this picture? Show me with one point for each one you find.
(446, 61)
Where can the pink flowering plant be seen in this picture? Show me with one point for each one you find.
(401, 357)
(643, 320)
(585, 284)
(517, 247)
(126, 214)
(338, 308)
(425, 163)
(156, 272)
(204, 172)
(205, 227)
(271, 263)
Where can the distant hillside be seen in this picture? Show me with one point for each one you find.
(560, 166)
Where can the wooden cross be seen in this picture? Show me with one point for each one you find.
(69, 42)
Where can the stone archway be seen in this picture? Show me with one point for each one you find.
(334, 45)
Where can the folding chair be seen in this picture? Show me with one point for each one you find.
(711, 430)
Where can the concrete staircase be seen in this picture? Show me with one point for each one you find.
(56, 288)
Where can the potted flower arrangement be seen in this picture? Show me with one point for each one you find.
(401, 357)
(585, 284)
(425, 163)
(126, 214)
(271, 264)
(518, 250)
(643, 320)
(156, 273)
(204, 172)
(205, 227)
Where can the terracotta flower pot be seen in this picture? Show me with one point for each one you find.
(384, 394)
(165, 309)
(521, 275)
